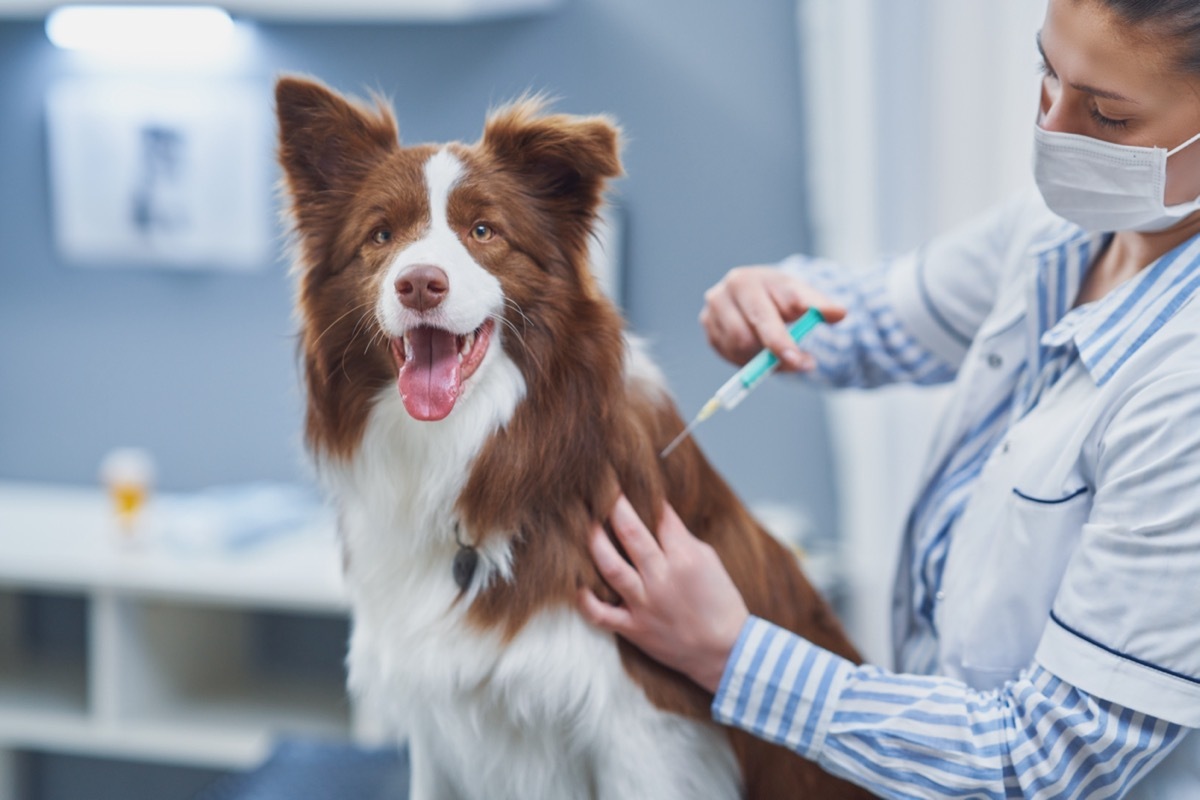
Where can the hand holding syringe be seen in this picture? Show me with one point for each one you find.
(747, 378)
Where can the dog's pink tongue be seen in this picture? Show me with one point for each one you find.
(429, 379)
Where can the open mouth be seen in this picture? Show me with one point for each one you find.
(433, 364)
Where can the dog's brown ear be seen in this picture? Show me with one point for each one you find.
(559, 156)
(325, 141)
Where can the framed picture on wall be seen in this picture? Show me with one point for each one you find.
(146, 174)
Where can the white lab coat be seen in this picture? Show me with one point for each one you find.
(1080, 546)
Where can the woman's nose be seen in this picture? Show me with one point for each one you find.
(1050, 108)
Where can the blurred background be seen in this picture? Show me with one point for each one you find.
(145, 302)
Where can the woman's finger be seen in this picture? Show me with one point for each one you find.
(672, 532)
(635, 537)
(615, 570)
(764, 317)
(726, 328)
(603, 615)
(793, 298)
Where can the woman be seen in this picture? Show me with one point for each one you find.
(1048, 604)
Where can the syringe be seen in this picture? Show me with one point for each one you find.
(745, 379)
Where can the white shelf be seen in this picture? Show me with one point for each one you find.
(63, 539)
(169, 665)
(218, 748)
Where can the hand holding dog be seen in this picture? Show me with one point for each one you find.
(679, 604)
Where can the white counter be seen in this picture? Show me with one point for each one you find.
(168, 669)
(61, 538)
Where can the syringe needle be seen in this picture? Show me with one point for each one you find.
(745, 379)
(707, 411)
(682, 435)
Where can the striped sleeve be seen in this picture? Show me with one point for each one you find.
(870, 347)
(905, 736)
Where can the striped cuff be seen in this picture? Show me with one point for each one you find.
(780, 687)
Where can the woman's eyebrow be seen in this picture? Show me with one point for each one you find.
(1083, 87)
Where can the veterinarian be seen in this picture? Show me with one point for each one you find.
(1047, 607)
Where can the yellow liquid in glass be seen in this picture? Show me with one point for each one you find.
(128, 500)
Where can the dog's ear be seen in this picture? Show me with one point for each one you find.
(560, 157)
(325, 141)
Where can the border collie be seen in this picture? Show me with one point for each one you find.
(473, 406)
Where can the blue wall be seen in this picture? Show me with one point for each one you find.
(201, 367)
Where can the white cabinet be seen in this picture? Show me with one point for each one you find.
(162, 656)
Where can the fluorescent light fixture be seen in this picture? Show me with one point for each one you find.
(170, 32)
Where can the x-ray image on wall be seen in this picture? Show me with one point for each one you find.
(160, 175)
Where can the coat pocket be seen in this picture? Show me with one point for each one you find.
(1019, 572)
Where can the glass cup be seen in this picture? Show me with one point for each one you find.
(128, 475)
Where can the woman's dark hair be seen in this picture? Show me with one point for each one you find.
(1178, 20)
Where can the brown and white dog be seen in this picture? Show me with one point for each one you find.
(473, 406)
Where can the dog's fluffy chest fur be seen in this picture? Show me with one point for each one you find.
(551, 713)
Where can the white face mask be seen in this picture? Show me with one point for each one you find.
(1103, 187)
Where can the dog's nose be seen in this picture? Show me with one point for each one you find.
(422, 287)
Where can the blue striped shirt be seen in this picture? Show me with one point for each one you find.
(869, 347)
(907, 736)
(916, 735)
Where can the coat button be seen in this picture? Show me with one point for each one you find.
(940, 596)
(994, 360)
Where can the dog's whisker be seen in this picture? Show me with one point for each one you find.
(354, 333)
(519, 336)
(361, 320)
(333, 324)
(509, 326)
(375, 334)
(380, 337)
(515, 306)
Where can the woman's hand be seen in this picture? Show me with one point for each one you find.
(750, 309)
(680, 605)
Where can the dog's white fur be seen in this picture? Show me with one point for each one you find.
(551, 714)
(477, 294)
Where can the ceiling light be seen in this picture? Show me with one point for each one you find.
(171, 32)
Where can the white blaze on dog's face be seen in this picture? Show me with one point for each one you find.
(437, 303)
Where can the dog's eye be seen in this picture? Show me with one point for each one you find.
(482, 232)
(381, 236)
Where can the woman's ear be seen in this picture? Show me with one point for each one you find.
(325, 141)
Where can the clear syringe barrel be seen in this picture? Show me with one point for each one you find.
(758, 368)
